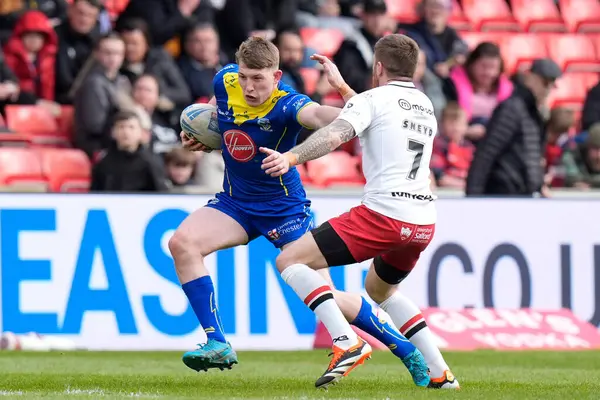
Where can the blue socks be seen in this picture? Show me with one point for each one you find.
(382, 331)
(201, 295)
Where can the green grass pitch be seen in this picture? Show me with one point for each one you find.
(484, 375)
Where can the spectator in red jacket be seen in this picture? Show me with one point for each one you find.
(31, 54)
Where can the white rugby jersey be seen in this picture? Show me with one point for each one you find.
(396, 126)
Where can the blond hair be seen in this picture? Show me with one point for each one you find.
(257, 53)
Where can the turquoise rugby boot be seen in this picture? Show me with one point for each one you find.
(416, 365)
(212, 354)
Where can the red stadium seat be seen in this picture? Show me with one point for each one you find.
(458, 20)
(519, 50)
(66, 121)
(311, 77)
(303, 174)
(571, 89)
(538, 15)
(67, 170)
(581, 15)
(473, 39)
(404, 11)
(333, 99)
(573, 52)
(338, 167)
(323, 41)
(36, 122)
(20, 167)
(13, 139)
(490, 15)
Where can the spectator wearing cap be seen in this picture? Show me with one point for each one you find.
(355, 56)
(442, 44)
(581, 162)
(509, 158)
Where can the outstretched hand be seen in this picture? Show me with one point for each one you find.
(331, 71)
(275, 164)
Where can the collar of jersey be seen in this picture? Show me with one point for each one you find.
(402, 84)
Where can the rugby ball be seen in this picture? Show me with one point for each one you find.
(199, 122)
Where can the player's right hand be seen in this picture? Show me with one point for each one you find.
(334, 77)
(192, 145)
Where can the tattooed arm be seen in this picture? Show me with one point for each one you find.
(320, 143)
(323, 141)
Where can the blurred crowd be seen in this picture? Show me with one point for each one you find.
(128, 68)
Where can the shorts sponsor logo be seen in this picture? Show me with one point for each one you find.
(405, 232)
(213, 201)
(405, 105)
(288, 227)
(413, 196)
(240, 145)
(423, 235)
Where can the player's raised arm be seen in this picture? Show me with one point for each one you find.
(334, 77)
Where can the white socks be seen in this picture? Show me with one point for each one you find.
(410, 322)
(313, 289)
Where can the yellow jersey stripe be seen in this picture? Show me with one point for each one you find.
(302, 108)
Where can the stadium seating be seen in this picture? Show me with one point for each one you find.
(581, 15)
(20, 167)
(519, 50)
(538, 15)
(37, 123)
(571, 89)
(324, 41)
(403, 11)
(490, 15)
(66, 170)
(337, 168)
(473, 39)
(573, 52)
(458, 20)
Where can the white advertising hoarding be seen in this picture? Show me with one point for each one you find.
(96, 268)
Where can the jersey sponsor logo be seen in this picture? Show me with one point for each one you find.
(416, 127)
(298, 104)
(406, 105)
(413, 196)
(349, 105)
(240, 145)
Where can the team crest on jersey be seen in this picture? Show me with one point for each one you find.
(264, 124)
(240, 145)
(405, 232)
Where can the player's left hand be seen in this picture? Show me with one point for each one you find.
(275, 164)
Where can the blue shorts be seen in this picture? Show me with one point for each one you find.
(281, 221)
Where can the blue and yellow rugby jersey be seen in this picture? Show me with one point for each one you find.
(274, 124)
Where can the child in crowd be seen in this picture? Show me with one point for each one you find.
(452, 153)
(128, 165)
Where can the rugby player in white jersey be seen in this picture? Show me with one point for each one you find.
(396, 126)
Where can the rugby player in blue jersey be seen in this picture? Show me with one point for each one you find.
(255, 109)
